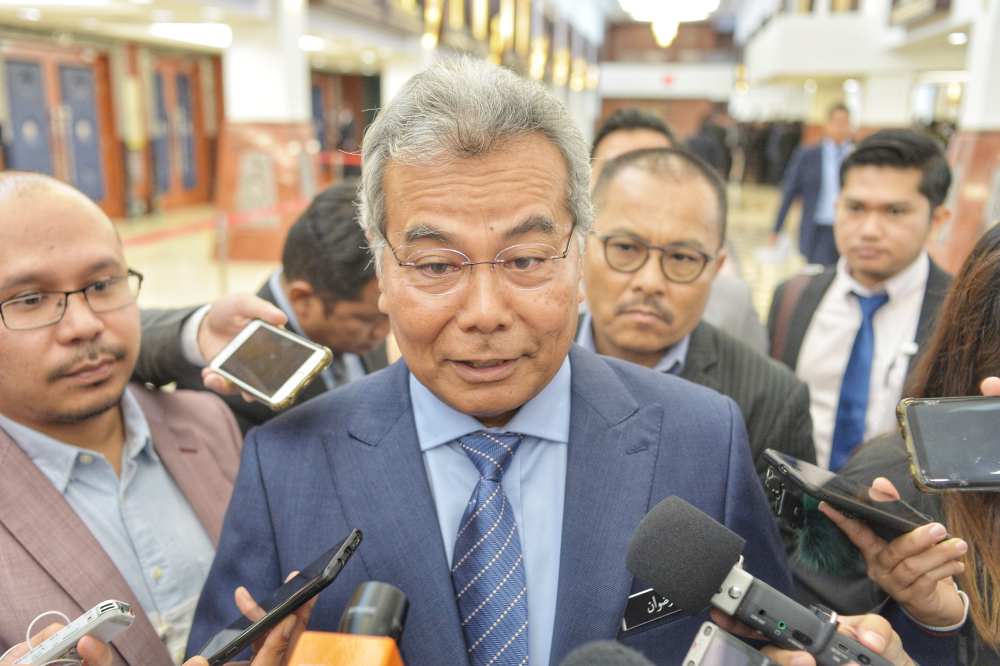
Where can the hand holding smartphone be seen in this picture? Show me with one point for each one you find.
(270, 363)
(312, 580)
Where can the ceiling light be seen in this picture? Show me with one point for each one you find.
(665, 31)
(312, 43)
(214, 35)
(958, 38)
(851, 86)
(651, 11)
(30, 14)
(368, 57)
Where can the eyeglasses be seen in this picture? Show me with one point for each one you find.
(440, 271)
(45, 308)
(679, 263)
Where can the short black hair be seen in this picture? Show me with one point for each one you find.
(839, 106)
(673, 163)
(905, 149)
(632, 118)
(327, 248)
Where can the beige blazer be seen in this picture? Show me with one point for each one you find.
(49, 560)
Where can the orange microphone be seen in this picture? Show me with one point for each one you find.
(369, 630)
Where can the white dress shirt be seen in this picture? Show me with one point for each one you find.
(826, 349)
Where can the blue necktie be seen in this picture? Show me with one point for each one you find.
(488, 566)
(852, 408)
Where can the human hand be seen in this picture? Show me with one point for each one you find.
(272, 649)
(872, 631)
(915, 569)
(225, 318)
(990, 386)
(92, 651)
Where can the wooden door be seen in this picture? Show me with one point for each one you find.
(179, 145)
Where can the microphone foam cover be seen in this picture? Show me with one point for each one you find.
(605, 653)
(683, 553)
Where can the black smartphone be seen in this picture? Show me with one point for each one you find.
(789, 478)
(286, 600)
(953, 442)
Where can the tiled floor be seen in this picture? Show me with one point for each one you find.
(176, 253)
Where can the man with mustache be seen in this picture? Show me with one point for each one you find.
(852, 332)
(110, 490)
(659, 243)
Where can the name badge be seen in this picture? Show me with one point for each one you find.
(645, 607)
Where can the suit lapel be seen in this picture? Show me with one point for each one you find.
(702, 362)
(803, 314)
(186, 454)
(45, 525)
(612, 454)
(395, 510)
(938, 283)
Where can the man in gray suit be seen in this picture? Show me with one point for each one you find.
(730, 301)
(326, 289)
(110, 490)
(661, 227)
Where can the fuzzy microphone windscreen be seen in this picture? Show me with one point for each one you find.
(605, 653)
(683, 553)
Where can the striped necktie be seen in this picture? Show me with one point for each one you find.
(488, 565)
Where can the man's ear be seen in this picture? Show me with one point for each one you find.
(301, 296)
(939, 218)
(720, 259)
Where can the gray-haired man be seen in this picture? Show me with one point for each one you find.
(498, 472)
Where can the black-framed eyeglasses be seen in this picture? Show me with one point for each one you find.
(46, 308)
(439, 271)
(679, 263)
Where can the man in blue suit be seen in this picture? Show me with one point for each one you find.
(497, 472)
(812, 175)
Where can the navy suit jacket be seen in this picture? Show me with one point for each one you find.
(803, 178)
(350, 458)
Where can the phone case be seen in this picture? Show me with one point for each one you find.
(922, 482)
(324, 363)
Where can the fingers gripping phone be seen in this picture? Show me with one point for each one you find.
(105, 622)
(288, 598)
(788, 479)
(714, 647)
(954, 443)
(270, 363)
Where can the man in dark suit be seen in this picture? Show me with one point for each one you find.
(661, 225)
(852, 331)
(812, 177)
(476, 202)
(327, 290)
(730, 301)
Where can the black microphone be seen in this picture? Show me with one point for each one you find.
(695, 562)
(375, 609)
(604, 653)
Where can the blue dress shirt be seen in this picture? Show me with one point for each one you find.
(535, 484)
(141, 520)
(673, 359)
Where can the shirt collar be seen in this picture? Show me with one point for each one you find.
(673, 359)
(546, 416)
(281, 300)
(57, 460)
(910, 279)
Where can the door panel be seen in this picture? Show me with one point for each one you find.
(161, 144)
(82, 130)
(30, 144)
(185, 131)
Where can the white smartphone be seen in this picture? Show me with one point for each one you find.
(270, 363)
(105, 621)
(714, 647)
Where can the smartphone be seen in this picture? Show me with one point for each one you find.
(788, 479)
(270, 363)
(312, 580)
(105, 621)
(714, 647)
(954, 443)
